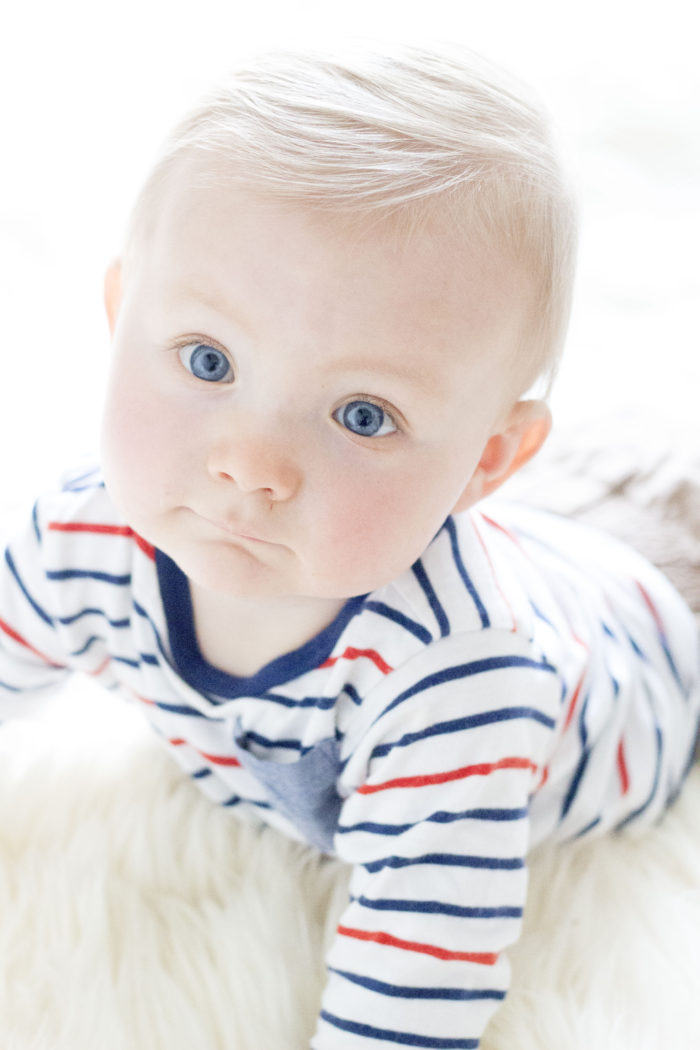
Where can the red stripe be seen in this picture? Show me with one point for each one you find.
(652, 609)
(106, 530)
(622, 769)
(503, 529)
(483, 769)
(572, 705)
(103, 667)
(354, 654)
(484, 958)
(147, 548)
(218, 760)
(87, 526)
(494, 576)
(12, 633)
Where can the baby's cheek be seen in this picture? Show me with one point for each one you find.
(381, 525)
(132, 446)
(364, 540)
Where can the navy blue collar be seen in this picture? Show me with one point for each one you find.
(203, 676)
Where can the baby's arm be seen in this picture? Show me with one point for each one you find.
(437, 831)
(32, 657)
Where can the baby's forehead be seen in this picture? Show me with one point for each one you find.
(407, 287)
(201, 188)
(207, 202)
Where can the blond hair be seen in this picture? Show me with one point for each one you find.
(378, 132)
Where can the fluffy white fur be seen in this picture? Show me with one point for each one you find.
(135, 915)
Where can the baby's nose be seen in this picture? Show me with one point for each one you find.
(256, 463)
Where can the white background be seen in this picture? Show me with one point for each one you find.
(88, 91)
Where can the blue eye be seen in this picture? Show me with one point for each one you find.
(206, 362)
(365, 418)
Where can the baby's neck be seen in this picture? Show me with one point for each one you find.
(242, 635)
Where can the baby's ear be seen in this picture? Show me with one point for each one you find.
(113, 292)
(515, 443)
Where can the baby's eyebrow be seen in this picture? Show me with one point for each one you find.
(420, 379)
(209, 297)
(413, 379)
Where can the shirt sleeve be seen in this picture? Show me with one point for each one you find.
(436, 829)
(32, 661)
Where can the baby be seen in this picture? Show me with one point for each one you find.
(339, 307)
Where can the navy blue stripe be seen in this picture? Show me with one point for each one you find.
(428, 590)
(35, 522)
(92, 611)
(86, 645)
(13, 688)
(448, 860)
(458, 725)
(289, 744)
(152, 659)
(182, 709)
(402, 1038)
(415, 628)
(288, 701)
(89, 574)
(263, 741)
(541, 616)
(321, 703)
(404, 992)
(126, 661)
(693, 753)
(582, 730)
(582, 763)
(352, 692)
(71, 483)
(672, 664)
(638, 650)
(201, 774)
(33, 689)
(450, 674)
(574, 785)
(144, 658)
(236, 800)
(439, 908)
(156, 634)
(585, 831)
(466, 579)
(441, 817)
(35, 606)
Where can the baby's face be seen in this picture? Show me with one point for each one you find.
(295, 409)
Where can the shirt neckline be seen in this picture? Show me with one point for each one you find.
(205, 677)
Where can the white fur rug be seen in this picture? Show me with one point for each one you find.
(134, 915)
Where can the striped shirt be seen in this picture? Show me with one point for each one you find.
(527, 678)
